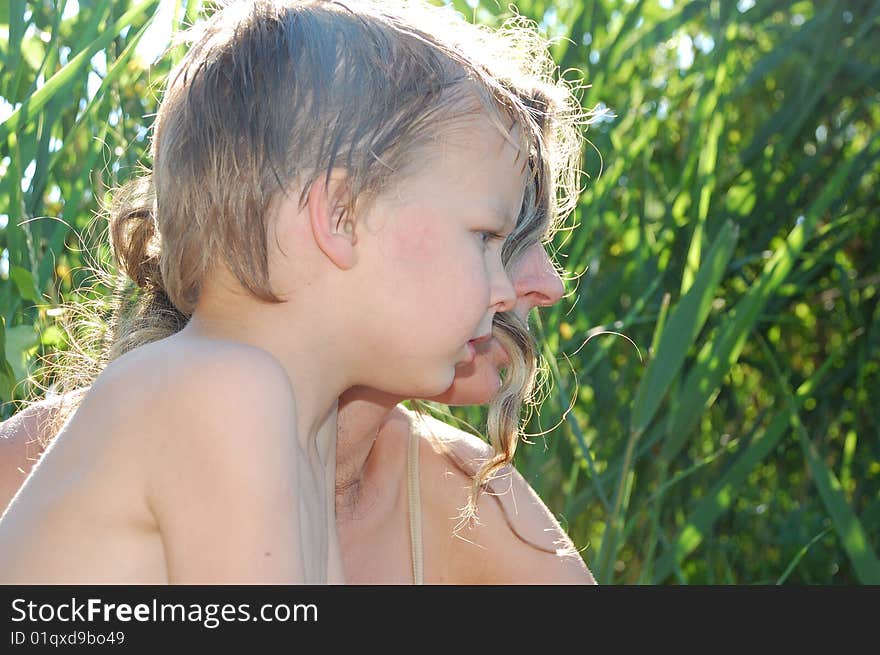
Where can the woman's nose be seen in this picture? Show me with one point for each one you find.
(535, 280)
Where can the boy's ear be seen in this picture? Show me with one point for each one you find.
(330, 219)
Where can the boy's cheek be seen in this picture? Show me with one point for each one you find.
(415, 238)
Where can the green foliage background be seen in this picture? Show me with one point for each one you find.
(729, 228)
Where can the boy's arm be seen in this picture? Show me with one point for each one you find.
(229, 482)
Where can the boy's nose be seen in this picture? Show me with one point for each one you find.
(536, 282)
(504, 297)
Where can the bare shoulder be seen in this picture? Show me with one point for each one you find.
(22, 434)
(143, 400)
(171, 413)
(26, 434)
(183, 364)
(517, 540)
(22, 438)
(196, 391)
(190, 440)
(223, 468)
(141, 388)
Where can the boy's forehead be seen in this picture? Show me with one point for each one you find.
(476, 137)
(509, 219)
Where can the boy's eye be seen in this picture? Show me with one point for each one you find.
(487, 237)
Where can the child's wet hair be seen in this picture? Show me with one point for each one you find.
(271, 95)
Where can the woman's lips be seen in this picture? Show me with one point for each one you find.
(492, 349)
(474, 346)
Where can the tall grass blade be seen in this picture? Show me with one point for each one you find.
(69, 71)
(685, 321)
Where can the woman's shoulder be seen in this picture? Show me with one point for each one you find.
(23, 433)
(22, 439)
(516, 539)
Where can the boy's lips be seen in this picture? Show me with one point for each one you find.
(471, 349)
(482, 339)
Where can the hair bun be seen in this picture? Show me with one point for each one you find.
(134, 237)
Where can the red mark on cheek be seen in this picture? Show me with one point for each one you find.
(416, 236)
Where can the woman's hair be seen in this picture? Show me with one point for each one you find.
(273, 94)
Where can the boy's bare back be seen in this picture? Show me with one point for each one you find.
(181, 465)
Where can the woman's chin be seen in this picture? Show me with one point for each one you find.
(476, 383)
